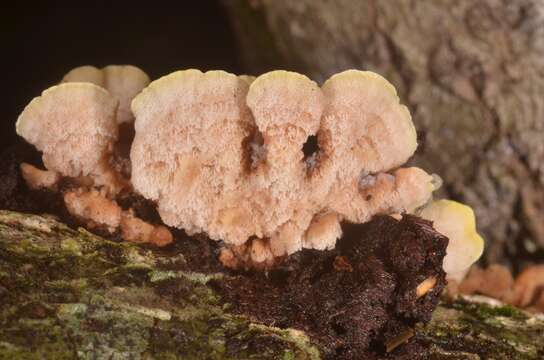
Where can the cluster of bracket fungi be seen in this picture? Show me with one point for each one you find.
(223, 155)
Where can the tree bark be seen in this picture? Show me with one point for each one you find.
(70, 294)
(471, 72)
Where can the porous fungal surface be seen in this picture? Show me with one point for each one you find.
(194, 153)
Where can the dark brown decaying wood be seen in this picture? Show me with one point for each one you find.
(471, 72)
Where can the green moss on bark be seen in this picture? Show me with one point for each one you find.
(484, 331)
(69, 294)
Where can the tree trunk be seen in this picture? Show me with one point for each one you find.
(70, 294)
(471, 72)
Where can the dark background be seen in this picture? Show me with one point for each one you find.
(41, 41)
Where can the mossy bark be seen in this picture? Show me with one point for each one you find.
(471, 72)
(466, 329)
(70, 294)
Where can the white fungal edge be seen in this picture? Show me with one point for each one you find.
(36, 101)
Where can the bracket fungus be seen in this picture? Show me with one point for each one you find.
(224, 155)
(188, 156)
(76, 127)
(123, 83)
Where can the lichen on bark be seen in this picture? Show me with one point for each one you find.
(70, 294)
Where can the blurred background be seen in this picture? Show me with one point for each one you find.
(471, 72)
(44, 40)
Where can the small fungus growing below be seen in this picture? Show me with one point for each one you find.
(458, 223)
(526, 290)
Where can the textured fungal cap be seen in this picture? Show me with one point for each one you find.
(194, 142)
(278, 97)
(187, 148)
(457, 222)
(364, 114)
(73, 125)
(124, 82)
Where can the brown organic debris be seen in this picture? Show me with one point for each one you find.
(342, 264)
(346, 311)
